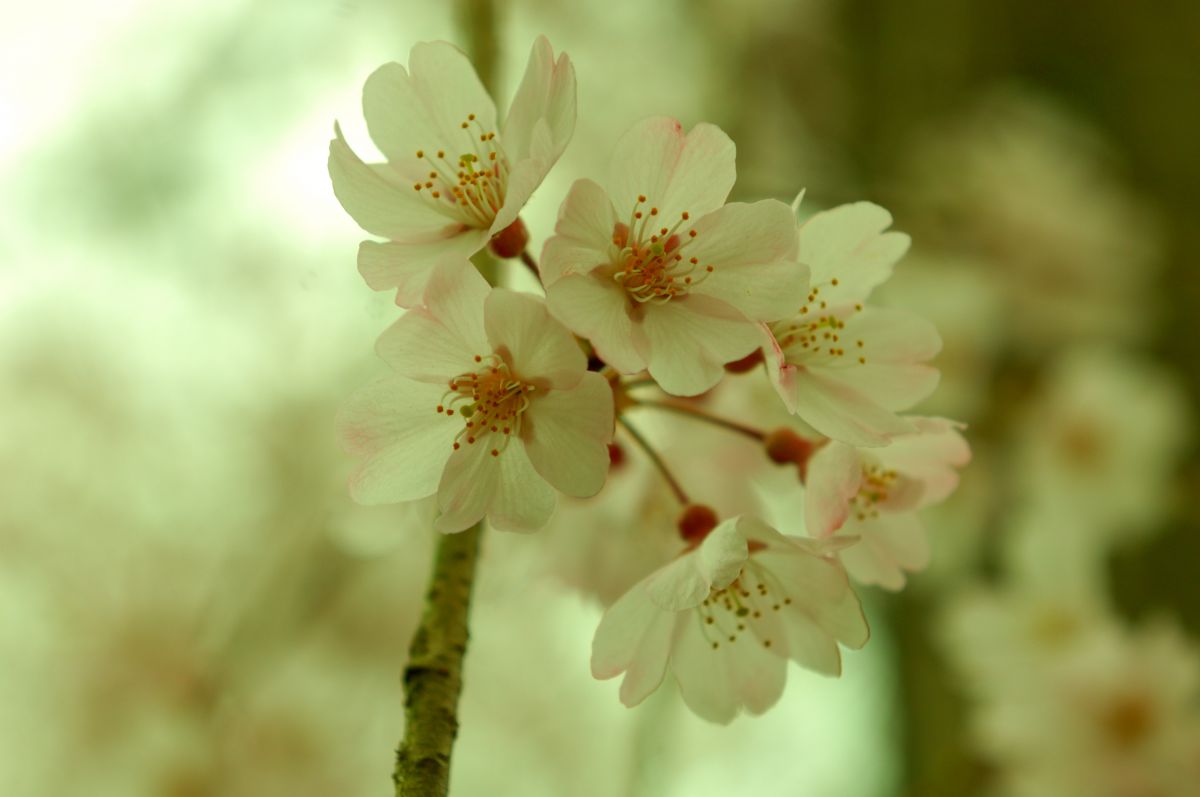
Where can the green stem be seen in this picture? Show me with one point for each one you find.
(433, 677)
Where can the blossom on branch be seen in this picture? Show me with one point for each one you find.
(491, 407)
(453, 179)
(873, 494)
(726, 616)
(657, 272)
(845, 368)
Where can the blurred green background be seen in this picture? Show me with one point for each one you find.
(190, 604)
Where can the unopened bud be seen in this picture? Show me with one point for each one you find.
(616, 456)
(511, 241)
(788, 448)
(696, 521)
(746, 363)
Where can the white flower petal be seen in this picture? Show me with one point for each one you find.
(836, 410)
(691, 339)
(888, 545)
(393, 424)
(722, 554)
(546, 92)
(678, 585)
(810, 646)
(929, 456)
(540, 347)
(381, 201)
(752, 248)
(819, 590)
(440, 341)
(407, 267)
(566, 433)
(523, 501)
(468, 484)
(423, 108)
(705, 675)
(621, 630)
(505, 488)
(847, 243)
(833, 480)
(649, 664)
(583, 234)
(676, 172)
(598, 309)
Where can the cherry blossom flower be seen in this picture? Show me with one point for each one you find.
(726, 615)
(1117, 715)
(873, 494)
(657, 272)
(1102, 444)
(490, 407)
(453, 179)
(844, 368)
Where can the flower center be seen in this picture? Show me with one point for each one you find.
(727, 613)
(877, 486)
(813, 337)
(491, 402)
(470, 185)
(648, 259)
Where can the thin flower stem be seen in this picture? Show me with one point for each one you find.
(531, 264)
(645, 445)
(699, 414)
(433, 676)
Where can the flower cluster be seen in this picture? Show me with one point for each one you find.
(499, 400)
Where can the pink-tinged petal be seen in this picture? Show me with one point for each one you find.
(887, 547)
(546, 93)
(467, 487)
(834, 478)
(407, 267)
(566, 433)
(440, 341)
(722, 554)
(583, 234)
(837, 410)
(504, 488)
(423, 108)
(752, 248)
(891, 387)
(686, 582)
(690, 340)
(820, 591)
(847, 243)
(759, 672)
(621, 631)
(705, 675)
(381, 201)
(394, 426)
(810, 646)
(523, 501)
(598, 309)
(780, 373)
(540, 349)
(678, 585)
(676, 172)
(523, 180)
(929, 456)
(892, 336)
(649, 664)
